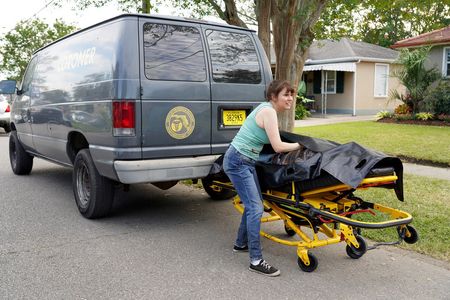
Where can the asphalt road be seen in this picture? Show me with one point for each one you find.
(170, 245)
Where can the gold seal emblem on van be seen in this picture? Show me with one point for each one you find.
(180, 122)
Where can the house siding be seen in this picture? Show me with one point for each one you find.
(366, 102)
(435, 58)
(339, 100)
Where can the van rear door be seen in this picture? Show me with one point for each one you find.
(239, 73)
(176, 109)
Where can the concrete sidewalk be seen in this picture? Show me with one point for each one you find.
(318, 119)
(433, 172)
(409, 168)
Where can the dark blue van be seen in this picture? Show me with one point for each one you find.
(136, 98)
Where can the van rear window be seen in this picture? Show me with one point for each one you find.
(173, 52)
(233, 57)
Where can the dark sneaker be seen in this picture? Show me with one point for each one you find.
(240, 249)
(264, 268)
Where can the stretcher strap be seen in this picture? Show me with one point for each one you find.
(295, 191)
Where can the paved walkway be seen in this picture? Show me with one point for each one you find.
(318, 119)
(434, 172)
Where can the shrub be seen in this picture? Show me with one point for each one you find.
(437, 99)
(404, 117)
(442, 117)
(301, 112)
(424, 116)
(414, 76)
(403, 109)
(384, 114)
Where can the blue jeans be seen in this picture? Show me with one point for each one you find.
(242, 173)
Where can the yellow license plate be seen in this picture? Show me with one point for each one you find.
(233, 117)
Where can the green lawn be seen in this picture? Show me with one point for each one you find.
(427, 200)
(428, 144)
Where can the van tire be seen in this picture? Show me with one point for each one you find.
(217, 193)
(93, 193)
(21, 161)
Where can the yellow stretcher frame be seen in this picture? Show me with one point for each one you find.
(336, 227)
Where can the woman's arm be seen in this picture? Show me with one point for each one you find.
(267, 118)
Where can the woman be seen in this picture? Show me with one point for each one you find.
(260, 127)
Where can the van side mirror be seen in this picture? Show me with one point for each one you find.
(8, 87)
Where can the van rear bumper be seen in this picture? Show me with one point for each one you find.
(157, 170)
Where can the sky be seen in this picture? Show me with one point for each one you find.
(14, 11)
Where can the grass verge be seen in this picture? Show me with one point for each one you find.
(415, 143)
(427, 201)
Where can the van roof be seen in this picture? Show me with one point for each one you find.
(147, 16)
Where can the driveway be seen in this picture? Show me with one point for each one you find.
(173, 244)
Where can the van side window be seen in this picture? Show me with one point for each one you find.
(233, 57)
(173, 52)
(27, 78)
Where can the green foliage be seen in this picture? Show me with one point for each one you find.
(384, 114)
(403, 109)
(404, 117)
(424, 116)
(381, 22)
(301, 112)
(437, 100)
(414, 76)
(19, 44)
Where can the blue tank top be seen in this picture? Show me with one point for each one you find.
(251, 138)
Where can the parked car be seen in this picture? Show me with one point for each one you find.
(137, 98)
(5, 113)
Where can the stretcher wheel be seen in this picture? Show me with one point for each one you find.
(354, 252)
(289, 230)
(216, 192)
(414, 236)
(313, 263)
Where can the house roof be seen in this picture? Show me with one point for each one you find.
(439, 36)
(347, 50)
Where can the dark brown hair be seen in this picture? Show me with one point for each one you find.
(276, 86)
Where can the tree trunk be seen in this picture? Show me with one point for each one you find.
(292, 23)
(146, 6)
(231, 14)
(263, 11)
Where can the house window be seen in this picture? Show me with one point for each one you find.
(330, 82)
(381, 80)
(446, 63)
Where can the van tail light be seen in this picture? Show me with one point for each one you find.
(124, 118)
(8, 109)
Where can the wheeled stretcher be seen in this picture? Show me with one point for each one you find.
(321, 212)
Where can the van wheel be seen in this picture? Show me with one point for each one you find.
(93, 193)
(21, 161)
(215, 192)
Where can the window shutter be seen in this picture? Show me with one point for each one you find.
(340, 82)
(317, 82)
